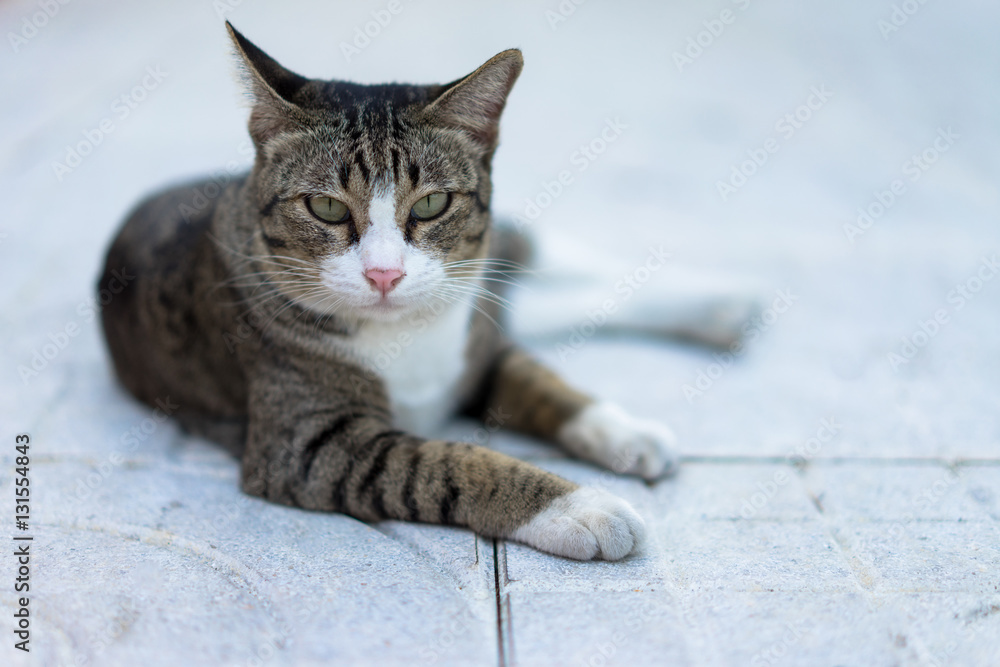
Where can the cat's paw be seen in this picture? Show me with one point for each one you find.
(585, 524)
(609, 436)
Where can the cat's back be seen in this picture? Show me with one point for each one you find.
(155, 314)
(170, 221)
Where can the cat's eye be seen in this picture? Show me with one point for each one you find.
(328, 209)
(430, 206)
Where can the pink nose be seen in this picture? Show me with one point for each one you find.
(384, 281)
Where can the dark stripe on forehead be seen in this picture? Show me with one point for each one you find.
(395, 163)
(376, 118)
(351, 119)
(399, 129)
(363, 167)
(344, 174)
(414, 172)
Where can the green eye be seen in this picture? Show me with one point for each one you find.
(328, 209)
(430, 206)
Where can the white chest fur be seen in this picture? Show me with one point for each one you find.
(421, 360)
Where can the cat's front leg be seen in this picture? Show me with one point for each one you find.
(395, 476)
(604, 433)
(313, 444)
(534, 400)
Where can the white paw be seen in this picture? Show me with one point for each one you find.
(585, 524)
(607, 435)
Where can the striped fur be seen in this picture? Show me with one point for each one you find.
(254, 315)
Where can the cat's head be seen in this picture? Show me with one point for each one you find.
(373, 199)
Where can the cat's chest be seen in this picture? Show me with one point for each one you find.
(421, 361)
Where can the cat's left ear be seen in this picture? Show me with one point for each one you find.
(272, 87)
(474, 104)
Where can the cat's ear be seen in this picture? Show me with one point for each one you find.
(272, 88)
(474, 103)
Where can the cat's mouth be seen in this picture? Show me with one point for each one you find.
(387, 306)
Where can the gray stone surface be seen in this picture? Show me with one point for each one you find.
(833, 507)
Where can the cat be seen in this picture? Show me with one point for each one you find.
(364, 226)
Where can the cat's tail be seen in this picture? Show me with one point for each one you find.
(567, 284)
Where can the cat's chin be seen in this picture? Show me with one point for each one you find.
(386, 311)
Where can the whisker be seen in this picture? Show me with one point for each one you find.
(486, 296)
(490, 262)
(455, 299)
(486, 261)
(477, 289)
(512, 283)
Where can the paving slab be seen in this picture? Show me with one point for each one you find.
(197, 560)
(787, 629)
(943, 628)
(901, 492)
(635, 628)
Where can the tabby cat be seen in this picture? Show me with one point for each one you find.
(332, 305)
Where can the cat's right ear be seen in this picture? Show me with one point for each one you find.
(473, 104)
(272, 87)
